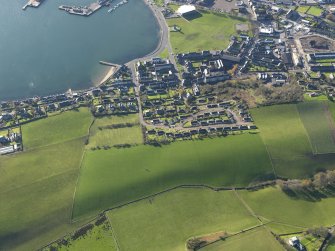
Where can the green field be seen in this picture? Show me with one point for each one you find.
(319, 125)
(318, 98)
(272, 204)
(210, 31)
(112, 177)
(259, 239)
(287, 142)
(101, 135)
(99, 238)
(37, 186)
(315, 11)
(121, 119)
(56, 129)
(302, 9)
(165, 222)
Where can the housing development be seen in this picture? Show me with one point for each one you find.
(222, 138)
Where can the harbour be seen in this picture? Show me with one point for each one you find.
(32, 3)
(92, 8)
(66, 49)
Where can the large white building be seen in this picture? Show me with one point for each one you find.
(186, 9)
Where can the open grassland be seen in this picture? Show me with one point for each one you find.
(302, 9)
(37, 186)
(274, 205)
(111, 137)
(103, 134)
(319, 125)
(287, 142)
(36, 194)
(112, 177)
(114, 120)
(56, 129)
(99, 238)
(259, 239)
(315, 11)
(165, 222)
(209, 31)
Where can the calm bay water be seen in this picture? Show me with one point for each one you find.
(45, 50)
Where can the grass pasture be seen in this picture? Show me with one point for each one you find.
(209, 31)
(111, 137)
(37, 193)
(165, 222)
(102, 135)
(259, 239)
(116, 176)
(281, 208)
(37, 185)
(287, 142)
(319, 125)
(57, 128)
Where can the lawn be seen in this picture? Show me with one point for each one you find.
(57, 128)
(165, 222)
(259, 239)
(37, 185)
(302, 9)
(315, 11)
(210, 31)
(287, 142)
(319, 125)
(276, 206)
(113, 177)
(164, 53)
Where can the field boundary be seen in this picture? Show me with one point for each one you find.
(330, 120)
(306, 132)
(235, 234)
(183, 186)
(80, 166)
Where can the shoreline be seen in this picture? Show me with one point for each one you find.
(162, 44)
(106, 76)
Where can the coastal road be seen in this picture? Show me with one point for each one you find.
(163, 44)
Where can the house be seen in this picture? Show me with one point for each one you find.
(295, 242)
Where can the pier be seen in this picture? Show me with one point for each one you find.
(85, 10)
(32, 3)
(108, 64)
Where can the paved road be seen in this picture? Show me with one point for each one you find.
(163, 43)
